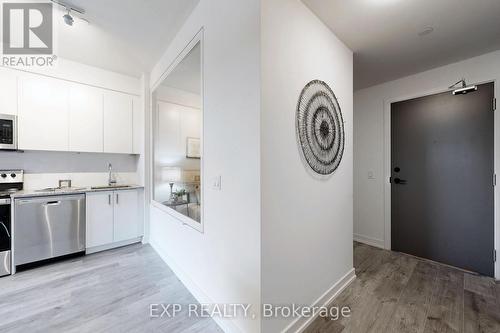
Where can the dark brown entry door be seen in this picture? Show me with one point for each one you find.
(442, 179)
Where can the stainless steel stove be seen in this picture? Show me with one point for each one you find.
(11, 181)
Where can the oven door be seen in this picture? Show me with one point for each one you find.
(8, 132)
(5, 237)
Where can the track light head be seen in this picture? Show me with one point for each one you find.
(68, 19)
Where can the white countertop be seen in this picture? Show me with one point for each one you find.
(79, 190)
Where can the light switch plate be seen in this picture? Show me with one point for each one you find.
(217, 183)
(371, 175)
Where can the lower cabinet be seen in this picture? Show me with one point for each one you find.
(100, 219)
(126, 219)
(113, 218)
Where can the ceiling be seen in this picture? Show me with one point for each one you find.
(187, 74)
(384, 34)
(125, 36)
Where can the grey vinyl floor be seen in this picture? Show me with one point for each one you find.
(394, 292)
(105, 292)
(111, 292)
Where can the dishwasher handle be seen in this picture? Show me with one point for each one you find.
(52, 203)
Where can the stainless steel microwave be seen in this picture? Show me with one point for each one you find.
(8, 132)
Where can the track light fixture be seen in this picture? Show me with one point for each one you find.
(68, 19)
(70, 9)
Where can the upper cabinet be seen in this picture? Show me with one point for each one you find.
(59, 115)
(85, 119)
(8, 92)
(118, 123)
(138, 123)
(43, 114)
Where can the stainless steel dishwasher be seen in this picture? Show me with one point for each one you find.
(48, 227)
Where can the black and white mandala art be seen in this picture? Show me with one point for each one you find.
(320, 127)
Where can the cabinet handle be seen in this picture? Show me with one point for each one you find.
(109, 199)
(117, 199)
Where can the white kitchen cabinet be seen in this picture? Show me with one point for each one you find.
(86, 119)
(58, 115)
(138, 125)
(8, 92)
(43, 114)
(100, 212)
(127, 219)
(118, 127)
(113, 219)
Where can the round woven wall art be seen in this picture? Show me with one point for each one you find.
(320, 127)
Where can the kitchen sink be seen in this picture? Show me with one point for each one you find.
(109, 187)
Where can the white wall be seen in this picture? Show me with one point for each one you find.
(370, 106)
(306, 222)
(222, 265)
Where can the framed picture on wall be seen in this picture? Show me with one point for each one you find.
(193, 148)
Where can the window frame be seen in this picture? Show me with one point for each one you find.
(185, 220)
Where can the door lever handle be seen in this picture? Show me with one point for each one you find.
(6, 230)
(399, 181)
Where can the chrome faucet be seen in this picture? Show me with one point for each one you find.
(111, 180)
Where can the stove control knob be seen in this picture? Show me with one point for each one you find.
(3, 175)
(13, 175)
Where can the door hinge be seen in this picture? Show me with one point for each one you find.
(390, 180)
(494, 255)
(494, 104)
(495, 179)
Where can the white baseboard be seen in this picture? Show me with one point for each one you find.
(226, 325)
(301, 323)
(106, 247)
(370, 241)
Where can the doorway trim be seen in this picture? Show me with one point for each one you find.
(387, 165)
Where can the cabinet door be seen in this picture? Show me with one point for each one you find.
(127, 221)
(43, 114)
(138, 125)
(99, 219)
(118, 128)
(85, 119)
(8, 92)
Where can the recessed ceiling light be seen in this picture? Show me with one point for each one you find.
(426, 31)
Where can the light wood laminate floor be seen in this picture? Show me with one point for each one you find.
(394, 292)
(105, 292)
